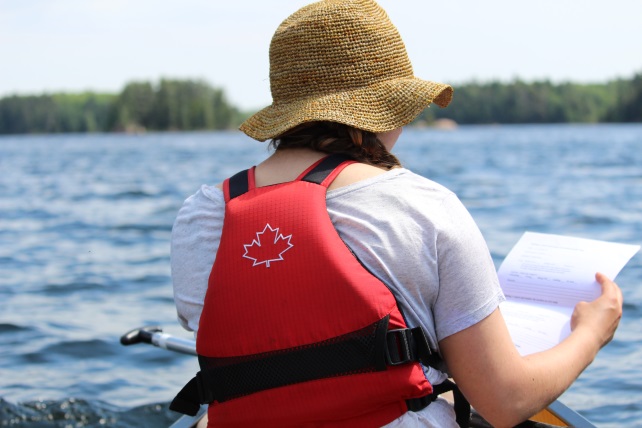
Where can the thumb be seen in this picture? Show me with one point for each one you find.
(604, 281)
(610, 289)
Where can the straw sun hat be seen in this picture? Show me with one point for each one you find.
(342, 61)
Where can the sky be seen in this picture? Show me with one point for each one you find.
(101, 45)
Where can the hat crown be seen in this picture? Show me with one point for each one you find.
(334, 46)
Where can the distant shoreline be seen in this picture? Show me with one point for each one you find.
(411, 127)
(186, 105)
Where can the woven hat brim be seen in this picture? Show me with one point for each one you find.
(381, 107)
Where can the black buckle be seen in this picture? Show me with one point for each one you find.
(400, 347)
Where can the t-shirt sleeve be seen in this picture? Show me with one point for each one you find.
(196, 235)
(469, 290)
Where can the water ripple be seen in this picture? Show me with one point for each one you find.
(75, 413)
(84, 251)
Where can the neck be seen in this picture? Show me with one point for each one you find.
(285, 165)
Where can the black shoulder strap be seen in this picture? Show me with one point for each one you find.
(325, 168)
(239, 184)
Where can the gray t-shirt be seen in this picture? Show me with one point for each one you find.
(412, 233)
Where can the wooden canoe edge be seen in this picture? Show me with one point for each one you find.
(548, 417)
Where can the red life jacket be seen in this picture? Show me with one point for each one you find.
(294, 330)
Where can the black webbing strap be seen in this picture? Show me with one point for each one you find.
(367, 350)
(462, 407)
(325, 168)
(188, 400)
(239, 184)
(357, 352)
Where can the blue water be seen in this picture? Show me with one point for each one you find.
(85, 223)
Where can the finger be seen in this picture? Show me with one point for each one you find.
(609, 288)
(601, 278)
(605, 282)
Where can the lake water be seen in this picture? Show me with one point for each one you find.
(85, 223)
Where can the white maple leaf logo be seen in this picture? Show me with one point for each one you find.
(268, 246)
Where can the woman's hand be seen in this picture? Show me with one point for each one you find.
(506, 388)
(599, 318)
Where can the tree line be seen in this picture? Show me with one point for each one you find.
(140, 106)
(196, 105)
(542, 102)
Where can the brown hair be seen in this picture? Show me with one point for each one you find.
(332, 137)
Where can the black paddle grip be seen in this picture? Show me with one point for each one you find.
(138, 335)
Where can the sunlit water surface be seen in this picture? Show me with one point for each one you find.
(85, 223)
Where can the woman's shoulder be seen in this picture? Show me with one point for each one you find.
(206, 204)
(206, 195)
(399, 183)
(355, 173)
(400, 195)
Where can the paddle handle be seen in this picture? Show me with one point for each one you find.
(154, 335)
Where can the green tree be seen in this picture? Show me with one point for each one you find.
(133, 107)
(629, 105)
(192, 105)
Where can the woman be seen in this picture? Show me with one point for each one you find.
(342, 83)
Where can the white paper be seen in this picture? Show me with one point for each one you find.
(544, 276)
